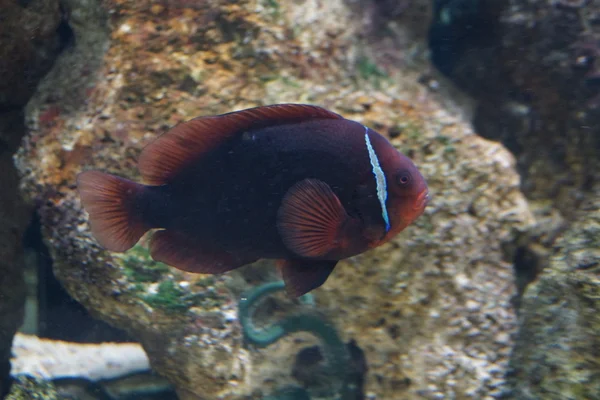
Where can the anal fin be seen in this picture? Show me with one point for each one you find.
(302, 276)
(179, 251)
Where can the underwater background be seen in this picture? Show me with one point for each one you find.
(493, 293)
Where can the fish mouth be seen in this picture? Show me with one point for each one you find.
(422, 200)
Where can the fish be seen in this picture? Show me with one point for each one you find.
(296, 183)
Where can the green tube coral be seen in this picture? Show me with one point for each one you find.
(335, 350)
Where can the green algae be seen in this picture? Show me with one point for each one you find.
(169, 296)
(447, 142)
(29, 388)
(369, 71)
(289, 81)
(408, 129)
(138, 266)
(143, 273)
(273, 8)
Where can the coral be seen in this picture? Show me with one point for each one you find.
(266, 337)
(334, 348)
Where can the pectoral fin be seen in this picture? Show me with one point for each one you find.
(311, 219)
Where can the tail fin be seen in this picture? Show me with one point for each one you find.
(112, 204)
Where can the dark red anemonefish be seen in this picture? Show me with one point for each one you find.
(292, 182)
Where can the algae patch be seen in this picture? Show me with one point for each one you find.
(30, 388)
(157, 285)
(172, 295)
(169, 296)
(139, 267)
(369, 71)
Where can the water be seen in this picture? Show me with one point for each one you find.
(492, 293)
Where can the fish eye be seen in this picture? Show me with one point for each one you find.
(403, 178)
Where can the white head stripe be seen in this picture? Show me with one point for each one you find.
(379, 179)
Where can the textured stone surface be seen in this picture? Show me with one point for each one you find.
(13, 219)
(54, 359)
(532, 67)
(540, 97)
(432, 310)
(557, 354)
(29, 43)
(26, 388)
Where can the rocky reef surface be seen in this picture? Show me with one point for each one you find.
(557, 353)
(30, 388)
(54, 359)
(53, 369)
(532, 67)
(432, 310)
(30, 40)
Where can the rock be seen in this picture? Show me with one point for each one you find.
(13, 220)
(556, 354)
(432, 310)
(90, 371)
(538, 96)
(444, 321)
(54, 359)
(28, 388)
(29, 42)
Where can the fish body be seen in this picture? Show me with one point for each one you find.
(290, 182)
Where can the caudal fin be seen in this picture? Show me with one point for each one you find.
(112, 204)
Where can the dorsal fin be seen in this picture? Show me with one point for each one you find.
(175, 150)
